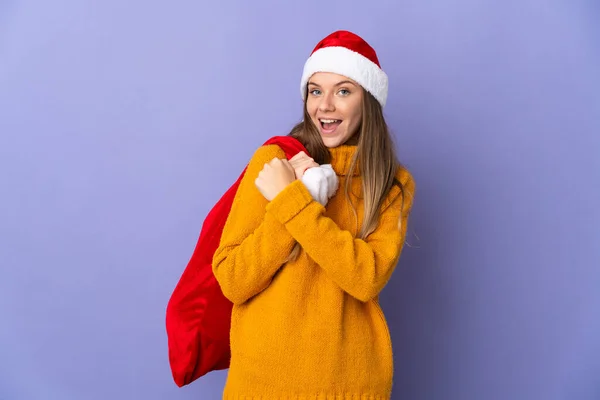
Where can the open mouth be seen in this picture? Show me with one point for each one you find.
(329, 125)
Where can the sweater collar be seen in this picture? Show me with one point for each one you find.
(341, 159)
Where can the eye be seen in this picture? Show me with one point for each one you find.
(344, 92)
(315, 92)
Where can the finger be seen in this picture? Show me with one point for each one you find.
(298, 155)
(307, 164)
(305, 158)
(266, 168)
(291, 169)
(275, 161)
(259, 185)
(302, 158)
(285, 161)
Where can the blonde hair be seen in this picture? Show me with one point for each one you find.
(375, 156)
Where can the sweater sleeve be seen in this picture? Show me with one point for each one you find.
(360, 267)
(253, 244)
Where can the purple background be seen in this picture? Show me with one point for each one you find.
(122, 122)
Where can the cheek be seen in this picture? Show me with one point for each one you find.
(354, 114)
(357, 111)
(311, 107)
(352, 109)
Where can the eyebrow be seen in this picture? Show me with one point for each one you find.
(337, 84)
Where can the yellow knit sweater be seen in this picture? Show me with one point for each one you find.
(310, 329)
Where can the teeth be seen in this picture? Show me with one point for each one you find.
(329, 121)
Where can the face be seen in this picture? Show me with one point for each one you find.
(334, 103)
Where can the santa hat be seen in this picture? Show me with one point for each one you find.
(347, 54)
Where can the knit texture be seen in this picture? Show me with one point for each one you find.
(312, 328)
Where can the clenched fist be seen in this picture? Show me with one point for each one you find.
(301, 162)
(274, 177)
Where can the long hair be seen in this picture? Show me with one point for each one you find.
(375, 156)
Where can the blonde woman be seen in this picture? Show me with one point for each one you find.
(304, 263)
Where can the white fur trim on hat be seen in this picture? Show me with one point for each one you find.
(342, 61)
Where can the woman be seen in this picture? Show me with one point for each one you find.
(305, 277)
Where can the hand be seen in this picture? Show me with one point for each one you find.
(274, 177)
(301, 162)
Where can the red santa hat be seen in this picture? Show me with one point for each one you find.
(347, 54)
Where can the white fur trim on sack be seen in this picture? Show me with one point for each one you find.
(353, 65)
(321, 182)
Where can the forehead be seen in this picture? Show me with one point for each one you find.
(329, 79)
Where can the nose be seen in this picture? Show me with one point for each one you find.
(327, 103)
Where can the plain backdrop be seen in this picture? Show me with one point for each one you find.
(122, 122)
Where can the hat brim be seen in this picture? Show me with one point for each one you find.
(343, 61)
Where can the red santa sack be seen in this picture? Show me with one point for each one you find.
(198, 315)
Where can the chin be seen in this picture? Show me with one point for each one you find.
(335, 141)
(331, 142)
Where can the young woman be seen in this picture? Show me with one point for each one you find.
(304, 275)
